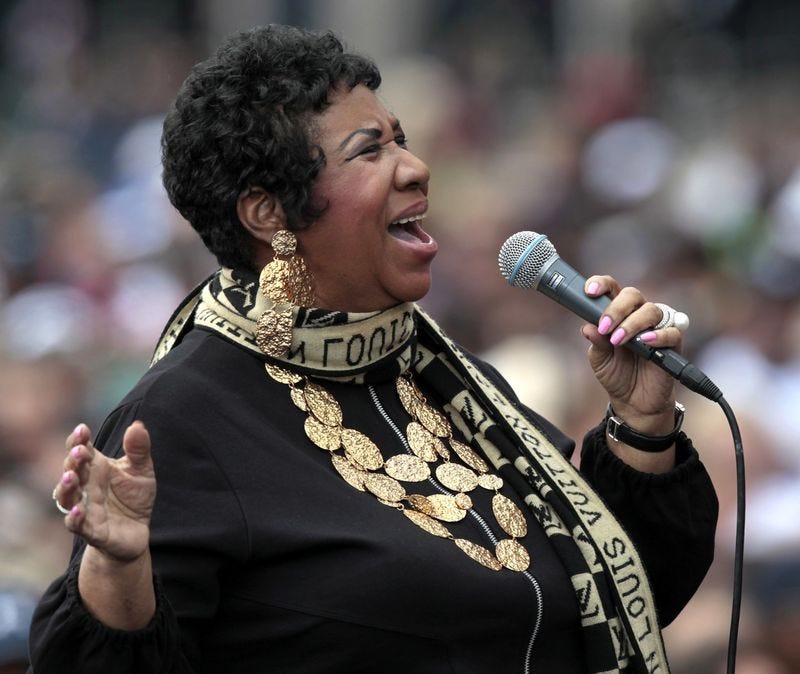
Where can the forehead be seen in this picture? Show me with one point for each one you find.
(350, 110)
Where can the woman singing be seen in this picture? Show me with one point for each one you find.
(312, 477)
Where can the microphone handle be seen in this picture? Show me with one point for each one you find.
(560, 282)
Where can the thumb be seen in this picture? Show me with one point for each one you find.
(136, 445)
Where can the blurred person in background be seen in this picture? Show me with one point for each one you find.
(294, 429)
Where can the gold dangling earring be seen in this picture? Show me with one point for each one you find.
(286, 284)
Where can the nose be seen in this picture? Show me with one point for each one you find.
(412, 172)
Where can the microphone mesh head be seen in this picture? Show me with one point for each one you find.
(523, 256)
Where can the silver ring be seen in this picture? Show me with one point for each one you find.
(67, 511)
(671, 318)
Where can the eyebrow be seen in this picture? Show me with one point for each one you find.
(371, 132)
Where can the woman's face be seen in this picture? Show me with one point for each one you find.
(367, 251)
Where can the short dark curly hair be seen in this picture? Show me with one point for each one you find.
(242, 119)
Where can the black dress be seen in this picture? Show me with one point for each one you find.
(267, 561)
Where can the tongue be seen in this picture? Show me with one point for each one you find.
(404, 232)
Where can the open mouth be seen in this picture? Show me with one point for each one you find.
(408, 229)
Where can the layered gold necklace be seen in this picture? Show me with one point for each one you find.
(429, 435)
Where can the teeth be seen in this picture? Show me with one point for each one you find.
(413, 218)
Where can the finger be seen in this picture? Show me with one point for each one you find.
(79, 460)
(639, 325)
(665, 337)
(596, 338)
(67, 491)
(81, 435)
(76, 516)
(136, 445)
(596, 286)
(626, 316)
(80, 452)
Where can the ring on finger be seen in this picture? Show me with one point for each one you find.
(671, 318)
(67, 511)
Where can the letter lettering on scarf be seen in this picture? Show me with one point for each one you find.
(616, 548)
(616, 568)
(592, 516)
(375, 333)
(327, 343)
(579, 498)
(359, 339)
(633, 587)
(635, 607)
(619, 638)
(652, 667)
(648, 631)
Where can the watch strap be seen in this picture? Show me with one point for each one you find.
(619, 431)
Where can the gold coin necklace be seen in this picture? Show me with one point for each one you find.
(429, 435)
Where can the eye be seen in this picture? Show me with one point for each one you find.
(401, 140)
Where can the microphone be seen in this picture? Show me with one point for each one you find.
(529, 260)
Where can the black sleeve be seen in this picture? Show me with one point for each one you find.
(193, 534)
(66, 638)
(671, 517)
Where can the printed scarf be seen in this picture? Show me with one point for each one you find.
(619, 625)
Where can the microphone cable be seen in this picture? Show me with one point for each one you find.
(738, 553)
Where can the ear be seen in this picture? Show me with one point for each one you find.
(261, 214)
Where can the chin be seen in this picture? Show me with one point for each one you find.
(415, 294)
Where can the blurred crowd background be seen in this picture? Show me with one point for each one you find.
(656, 140)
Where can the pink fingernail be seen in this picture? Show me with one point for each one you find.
(618, 336)
(75, 511)
(75, 453)
(648, 336)
(605, 325)
(594, 286)
(66, 478)
(76, 433)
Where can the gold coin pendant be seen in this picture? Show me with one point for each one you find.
(421, 442)
(322, 404)
(468, 456)
(407, 467)
(508, 516)
(479, 554)
(440, 448)
(408, 396)
(274, 282)
(298, 398)
(463, 501)
(456, 477)
(445, 508)
(299, 282)
(350, 474)
(274, 332)
(283, 375)
(284, 242)
(427, 523)
(421, 503)
(326, 437)
(490, 482)
(360, 449)
(433, 420)
(512, 555)
(384, 487)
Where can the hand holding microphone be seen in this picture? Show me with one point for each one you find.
(529, 260)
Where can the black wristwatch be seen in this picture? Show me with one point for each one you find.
(618, 431)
